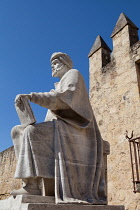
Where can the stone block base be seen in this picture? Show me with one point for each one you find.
(24, 202)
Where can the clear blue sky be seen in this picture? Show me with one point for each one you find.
(31, 30)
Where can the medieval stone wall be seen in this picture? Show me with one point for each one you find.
(7, 169)
(114, 95)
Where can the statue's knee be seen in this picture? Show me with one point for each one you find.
(30, 129)
(16, 131)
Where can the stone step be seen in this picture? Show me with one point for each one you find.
(33, 202)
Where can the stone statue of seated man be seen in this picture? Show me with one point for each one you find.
(67, 147)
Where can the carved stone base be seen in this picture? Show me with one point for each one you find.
(24, 202)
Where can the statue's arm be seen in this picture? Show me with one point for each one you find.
(48, 100)
(54, 100)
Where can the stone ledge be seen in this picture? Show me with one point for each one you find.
(37, 199)
(72, 207)
(47, 203)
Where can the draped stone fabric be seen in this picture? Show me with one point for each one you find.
(67, 146)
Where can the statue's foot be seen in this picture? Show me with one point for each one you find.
(26, 191)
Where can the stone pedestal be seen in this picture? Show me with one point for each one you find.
(23, 202)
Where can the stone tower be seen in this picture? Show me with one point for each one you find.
(115, 98)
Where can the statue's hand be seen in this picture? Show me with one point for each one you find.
(19, 96)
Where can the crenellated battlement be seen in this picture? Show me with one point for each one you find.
(124, 36)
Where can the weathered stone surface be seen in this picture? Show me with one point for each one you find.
(44, 203)
(37, 199)
(99, 43)
(114, 94)
(72, 207)
(7, 170)
(121, 23)
(104, 50)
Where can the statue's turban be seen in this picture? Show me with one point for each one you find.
(63, 57)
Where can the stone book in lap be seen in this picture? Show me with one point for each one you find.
(25, 112)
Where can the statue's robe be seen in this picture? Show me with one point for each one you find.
(67, 146)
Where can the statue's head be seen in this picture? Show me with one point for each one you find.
(60, 63)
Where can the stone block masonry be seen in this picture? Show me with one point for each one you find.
(114, 95)
(7, 170)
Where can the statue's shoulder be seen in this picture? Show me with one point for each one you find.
(73, 75)
(73, 72)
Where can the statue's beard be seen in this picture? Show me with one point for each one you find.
(55, 71)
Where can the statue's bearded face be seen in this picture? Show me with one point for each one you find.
(57, 68)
